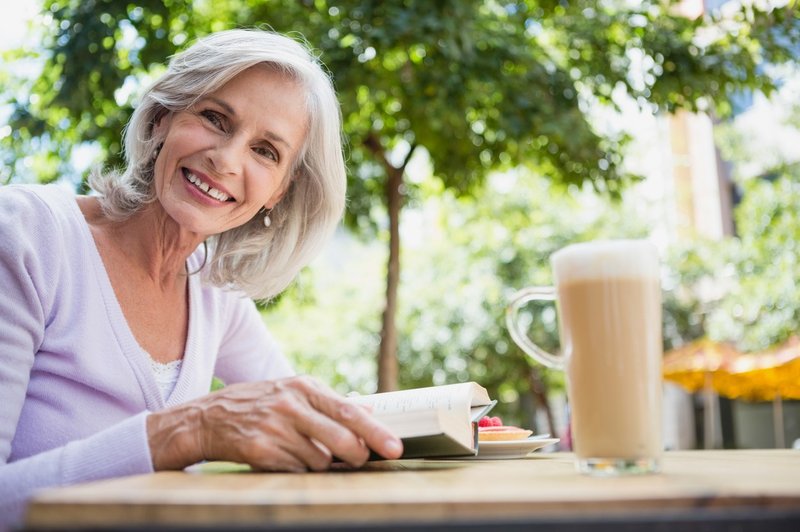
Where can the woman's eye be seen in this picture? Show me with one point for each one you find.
(266, 151)
(213, 117)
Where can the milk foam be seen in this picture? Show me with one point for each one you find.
(604, 259)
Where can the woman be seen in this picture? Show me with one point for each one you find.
(118, 308)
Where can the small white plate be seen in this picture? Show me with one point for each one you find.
(507, 450)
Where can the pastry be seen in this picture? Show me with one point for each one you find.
(492, 429)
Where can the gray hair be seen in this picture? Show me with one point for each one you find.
(259, 260)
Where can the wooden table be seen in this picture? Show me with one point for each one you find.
(698, 490)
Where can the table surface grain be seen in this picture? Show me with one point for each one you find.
(543, 485)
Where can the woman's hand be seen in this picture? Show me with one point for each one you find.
(294, 424)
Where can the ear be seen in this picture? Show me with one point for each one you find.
(161, 123)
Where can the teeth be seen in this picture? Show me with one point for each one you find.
(211, 191)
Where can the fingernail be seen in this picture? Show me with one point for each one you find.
(394, 446)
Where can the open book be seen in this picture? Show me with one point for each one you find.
(434, 421)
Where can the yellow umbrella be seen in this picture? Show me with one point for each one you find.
(718, 367)
(695, 366)
(691, 364)
(763, 376)
(766, 376)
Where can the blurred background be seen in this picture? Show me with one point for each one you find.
(481, 137)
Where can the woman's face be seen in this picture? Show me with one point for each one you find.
(230, 154)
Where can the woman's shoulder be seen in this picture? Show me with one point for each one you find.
(35, 201)
(34, 217)
(35, 237)
(227, 300)
(222, 304)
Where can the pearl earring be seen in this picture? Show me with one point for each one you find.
(267, 220)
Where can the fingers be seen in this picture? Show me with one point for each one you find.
(349, 430)
(342, 442)
(277, 460)
(296, 455)
(293, 424)
(374, 434)
(257, 423)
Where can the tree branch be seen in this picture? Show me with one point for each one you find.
(407, 158)
(373, 144)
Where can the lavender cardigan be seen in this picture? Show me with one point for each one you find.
(75, 387)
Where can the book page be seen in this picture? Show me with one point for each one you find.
(447, 397)
(432, 421)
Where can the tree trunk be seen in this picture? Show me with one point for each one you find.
(387, 352)
(539, 391)
(387, 355)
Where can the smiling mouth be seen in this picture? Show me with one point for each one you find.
(204, 188)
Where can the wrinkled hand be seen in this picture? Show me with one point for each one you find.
(294, 424)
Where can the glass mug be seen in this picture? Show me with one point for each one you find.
(608, 298)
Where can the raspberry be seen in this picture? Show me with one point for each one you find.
(496, 422)
(485, 421)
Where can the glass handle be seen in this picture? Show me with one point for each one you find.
(520, 337)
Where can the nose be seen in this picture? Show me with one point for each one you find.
(227, 157)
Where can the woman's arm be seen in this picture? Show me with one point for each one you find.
(29, 272)
(293, 424)
(247, 351)
(118, 451)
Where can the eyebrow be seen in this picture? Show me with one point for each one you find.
(231, 111)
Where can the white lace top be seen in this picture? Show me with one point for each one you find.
(166, 375)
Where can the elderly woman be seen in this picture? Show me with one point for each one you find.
(119, 308)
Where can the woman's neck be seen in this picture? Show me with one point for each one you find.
(149, 240)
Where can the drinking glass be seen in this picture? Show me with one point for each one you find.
(608, 298)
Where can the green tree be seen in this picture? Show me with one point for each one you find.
(760, 308)
(477, 86)
(697, 274)
(743, 289)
